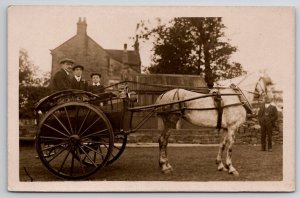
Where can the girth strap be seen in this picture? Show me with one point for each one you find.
(219, 106)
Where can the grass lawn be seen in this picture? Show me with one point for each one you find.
(189, 163)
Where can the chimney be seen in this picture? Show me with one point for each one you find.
(125, 56)
(136, 44)
(81, 26)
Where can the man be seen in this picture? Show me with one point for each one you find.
(96, 86)
(61, 79)
(267, 117)
(77, 82)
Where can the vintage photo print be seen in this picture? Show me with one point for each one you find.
(161, 99)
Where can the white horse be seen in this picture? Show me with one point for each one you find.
(233, 116)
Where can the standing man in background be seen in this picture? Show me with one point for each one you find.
(267, 116)
(61, 79)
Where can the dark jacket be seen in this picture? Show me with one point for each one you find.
(80, 85)
(96, 89)
(61, 81)
(267, 115)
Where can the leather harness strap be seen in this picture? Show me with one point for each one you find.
(176, 97)
(219, 106)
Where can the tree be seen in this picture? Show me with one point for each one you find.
(31, 87)
(191, 45)
(28, 72)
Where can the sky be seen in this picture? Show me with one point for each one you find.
(264, 36)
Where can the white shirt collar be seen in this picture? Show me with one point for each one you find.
(78, 78)
(268, 104)
(96, 84)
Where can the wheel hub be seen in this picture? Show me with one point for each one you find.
(74, 139)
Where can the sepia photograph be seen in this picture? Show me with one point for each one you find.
(151, 99)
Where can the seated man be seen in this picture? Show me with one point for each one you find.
(96, 86)
(77, 82)
(61, 79)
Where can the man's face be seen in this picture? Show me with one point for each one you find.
(77, 71)
(67, 66)
(96, 79)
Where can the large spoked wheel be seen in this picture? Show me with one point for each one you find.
(120, 141)
(74, 140)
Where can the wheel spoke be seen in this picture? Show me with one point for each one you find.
(117, 147)
(100, 153)
(76, 121)
(61, 123)
(80, 160)
(69, 120)
(112, 155)
(102, 157)
(78, 132)
(53, 138)
(95, 133)
(56, 130)
(57, 154)
(88, 156)
(62, 164)
(90, 126)
(72, 165)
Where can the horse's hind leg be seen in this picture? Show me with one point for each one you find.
(165, 126)
(231, 138)
(222, 146)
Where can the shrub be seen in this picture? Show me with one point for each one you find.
(28, 97)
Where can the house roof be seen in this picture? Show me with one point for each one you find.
(133, 57)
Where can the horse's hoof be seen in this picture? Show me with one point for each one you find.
(167, 169)
(222, 169)
(235, 173)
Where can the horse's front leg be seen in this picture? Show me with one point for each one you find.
(222, 146)
(231, 138)
(163, 143)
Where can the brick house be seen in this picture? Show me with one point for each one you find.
(114, 64)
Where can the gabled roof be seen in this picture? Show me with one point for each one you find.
(133, 57)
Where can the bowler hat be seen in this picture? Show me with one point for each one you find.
(95, 74)
(78, 66)
(66, 60)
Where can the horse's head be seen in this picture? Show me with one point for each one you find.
(260, 89)
(264, 88)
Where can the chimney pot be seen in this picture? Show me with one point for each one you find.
(125, 46)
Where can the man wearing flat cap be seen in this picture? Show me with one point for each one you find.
(61, 79)
(96, 86)
(77, 82)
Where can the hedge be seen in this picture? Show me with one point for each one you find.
(29, 96)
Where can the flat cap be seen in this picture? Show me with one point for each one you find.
(78, 66)
(66, 60)
(95, 74)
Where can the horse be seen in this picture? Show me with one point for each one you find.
(202, 112)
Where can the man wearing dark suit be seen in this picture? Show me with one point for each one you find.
(267, 117)
(96, 86)
(77, 82)
(61, 79)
